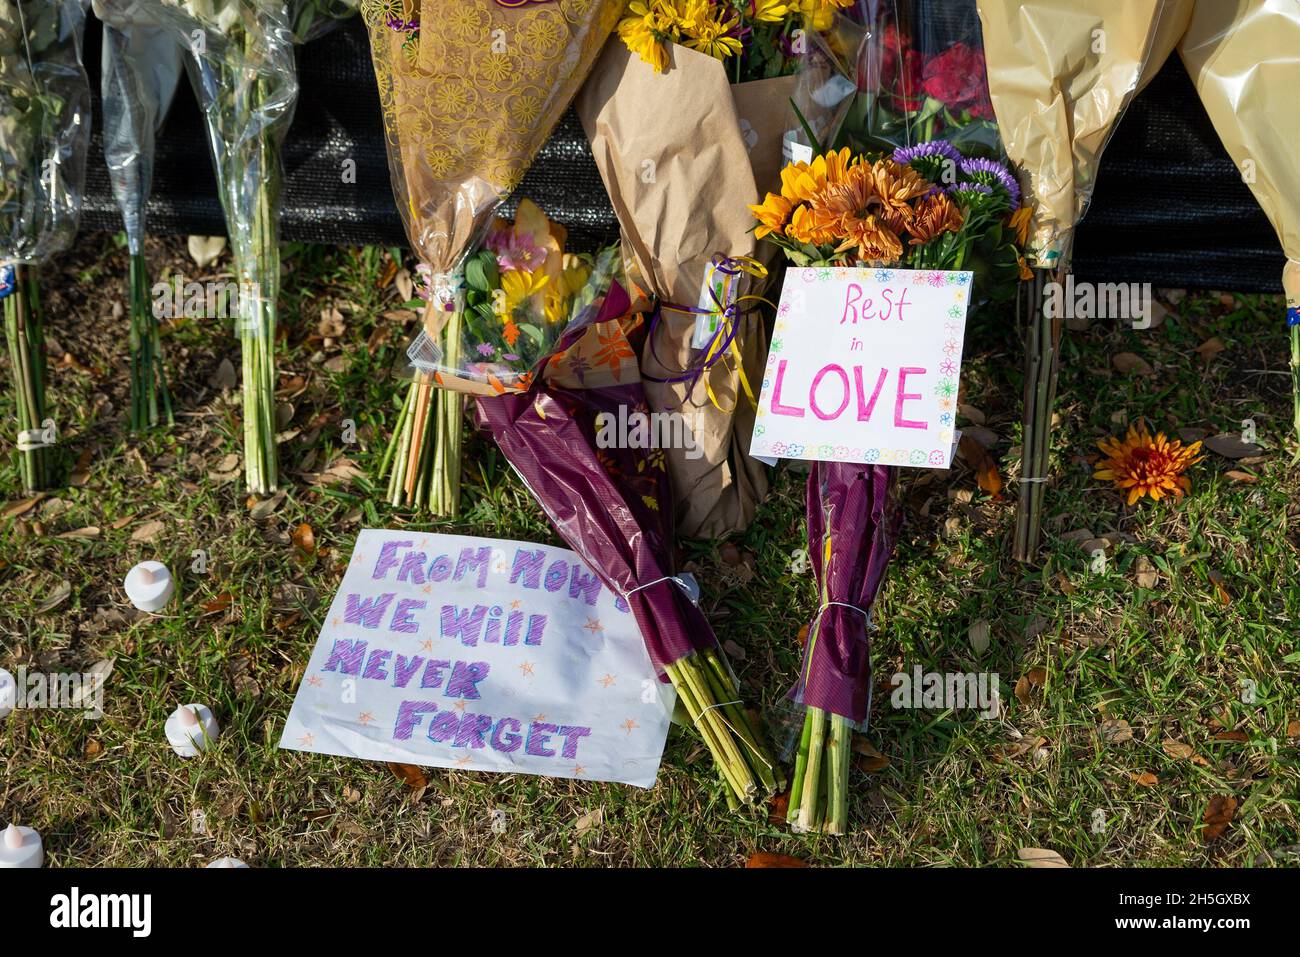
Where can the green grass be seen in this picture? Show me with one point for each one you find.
(1170, 660)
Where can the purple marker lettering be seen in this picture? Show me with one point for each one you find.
(432, 677)
(465, 675)
(346, 657)
(466, 624)
(375, 664)
(471, 559)
(405, 669)
(388, 558)
(402, 620)
(507, 741)
(571, 735)
(408, 716)
(539, 733)
(368, 613)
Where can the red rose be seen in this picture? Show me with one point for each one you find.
(888, 65)
(956, 77)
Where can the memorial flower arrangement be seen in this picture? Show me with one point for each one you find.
(884, 211)
(241, 65)
(44, 130)
(141, 67)
(466, 107)
(756, 39)
(609, 502)
(523, 289)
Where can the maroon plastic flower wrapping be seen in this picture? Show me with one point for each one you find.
(853, 507)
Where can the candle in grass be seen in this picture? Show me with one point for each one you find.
(149, 585)
(190, 729)
(21, 847)
(228, 862)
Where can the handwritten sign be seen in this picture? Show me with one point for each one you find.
(481, 654)
(864, 367)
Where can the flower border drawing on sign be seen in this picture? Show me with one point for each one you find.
(864, 367)
(483, 655)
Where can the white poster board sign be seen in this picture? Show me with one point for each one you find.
(481, 654)
(864, 367)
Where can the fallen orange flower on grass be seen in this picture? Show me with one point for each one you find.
(1147, 466)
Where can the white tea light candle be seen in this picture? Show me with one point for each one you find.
(149, 585)
(21, 847)
(228, 862)
(191, 728)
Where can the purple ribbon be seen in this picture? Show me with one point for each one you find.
(722, 337)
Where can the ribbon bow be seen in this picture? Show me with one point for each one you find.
(725, 275)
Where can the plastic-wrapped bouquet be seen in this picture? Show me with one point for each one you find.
(44, 129)
(141, 67)
(886, 210)
(687, 112)
(242, 69)
(470, 90)
(522, 291)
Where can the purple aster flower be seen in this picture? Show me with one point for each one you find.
(940, 148)
(485, 348)
(988, 172)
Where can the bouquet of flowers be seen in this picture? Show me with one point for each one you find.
(609, 503)
(896, 73)
(1053, 86)
(674, 176)
(470, 90)
(892, 75)
(44, 130)
(242, 69)
(141, 65)
(522, 291)
(1241, 59)
(882, 210)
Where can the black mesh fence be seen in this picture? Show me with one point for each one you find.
(1169, 207)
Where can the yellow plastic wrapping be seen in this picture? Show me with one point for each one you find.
(1061, 73)
(1244, 58)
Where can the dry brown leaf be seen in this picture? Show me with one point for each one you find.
(304, 539)
(220, 603)
(767, 859)
(413, 776)
(90, 531)
(1146, 779)
(1241, 737)
(267, 506)
(1178, 750)
(976, 455)
(1237, 475)
(589, 820)
(777, 807)
(1116, 731)
(148, 531)
(1145, 573)
(22, 507)
(1230, 445)
(1218, 815)
(868, 758)
(92, 749)
(1210, 348)
(978, 633)
(1130, 363)
(81, 471)
(1041, 857)
(61, 593)
(1293, 729)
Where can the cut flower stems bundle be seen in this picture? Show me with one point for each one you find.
(141, 67)
(44, 132)
(245, 80)
(26, 339)
(461, 130)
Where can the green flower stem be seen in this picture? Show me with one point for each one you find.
(25, 336)
(150, 399)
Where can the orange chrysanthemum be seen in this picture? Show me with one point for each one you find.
(935, 214)
(1147, 466)
(896, 186)
(772, 215)
(854, 212)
